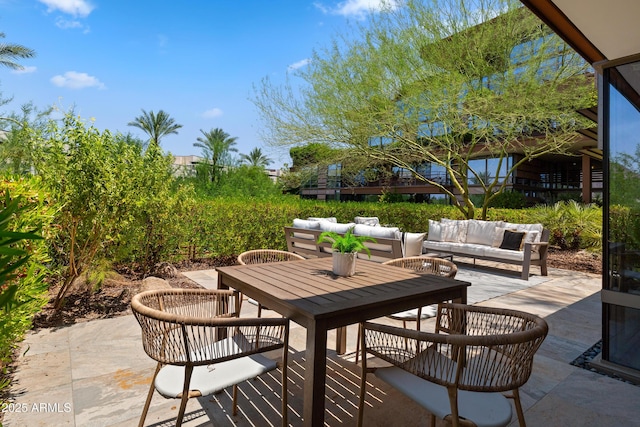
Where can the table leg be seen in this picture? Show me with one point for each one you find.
(341, 340)
(315, 375)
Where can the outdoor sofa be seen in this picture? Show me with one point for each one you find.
(520, 244)
(390, 242)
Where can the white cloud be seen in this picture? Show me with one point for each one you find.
(80, 8)
(212, 113)
(359, 8)
(25, 70)
(298, 64)
(75, 80)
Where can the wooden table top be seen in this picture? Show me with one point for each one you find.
(307, 291)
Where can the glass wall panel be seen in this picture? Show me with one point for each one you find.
(622, 147)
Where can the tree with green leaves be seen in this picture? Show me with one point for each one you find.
(156, 126)
(11, 52)
(216, 146)
(438, 84)
(256, 158)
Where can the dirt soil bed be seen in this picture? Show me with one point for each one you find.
(114, 296)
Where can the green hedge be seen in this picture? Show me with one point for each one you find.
(231, 226)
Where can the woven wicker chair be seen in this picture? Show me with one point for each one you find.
(427, 265)
(190, 331)
(421, 264)
(459, 372)
(263, 256)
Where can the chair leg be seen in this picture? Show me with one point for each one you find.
(188, 370)
(453, 401)
(285, 386)
(234, 405)
(358, 345)
(516, 401)
(363, 376)
(152, 389)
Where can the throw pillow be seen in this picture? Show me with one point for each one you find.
(336, 226)
(304, 223)
(450, 232)
(412, 244)
(330, 219)
(512, 240)
(367, 220)
(374, 231)
(435, 231)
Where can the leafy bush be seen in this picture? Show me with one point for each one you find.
(115, 201)
(22, 271)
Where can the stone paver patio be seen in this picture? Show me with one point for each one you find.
(96, 373)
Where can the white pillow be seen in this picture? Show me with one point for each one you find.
(367, 220)
(412, 244)
(435, 231)
(330, 219)
(375, 231)
(531, 237)
(336, 226)
(462, 226)
(481, 232)
(303, 223)
(450, 232)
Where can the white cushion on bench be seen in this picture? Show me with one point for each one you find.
(336, 227)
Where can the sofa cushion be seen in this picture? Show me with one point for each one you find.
(512, 240)
(435, 231)
(330, 219)
(367, 220)
(412, 244)
(481, 232)
(376, 231)
(433, 246)
(526, 227)
(461, 227)
(304, 223)
(336, 227)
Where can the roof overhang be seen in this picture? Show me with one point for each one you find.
(598, 30)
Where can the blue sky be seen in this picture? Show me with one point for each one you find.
(196, 60)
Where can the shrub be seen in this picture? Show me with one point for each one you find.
(22, 257)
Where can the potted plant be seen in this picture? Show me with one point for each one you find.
(345, 250)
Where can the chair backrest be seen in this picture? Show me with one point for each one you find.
(474, 348)
(201, 326)
(429, 265)
(261, 256)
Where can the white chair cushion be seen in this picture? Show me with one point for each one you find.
(484, 409)
(210, 379)
(427, 312)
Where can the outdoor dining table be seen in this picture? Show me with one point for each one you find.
(308, 293)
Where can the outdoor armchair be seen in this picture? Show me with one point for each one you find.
(421, 264)
(459, 372)
(262, 256)
(203, 347)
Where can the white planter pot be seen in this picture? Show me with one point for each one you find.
(344, 264)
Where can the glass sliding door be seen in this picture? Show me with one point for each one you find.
(621, 287)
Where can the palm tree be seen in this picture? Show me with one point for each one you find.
(256, 158)
(156, 126)
(10, 52)
(216, 145)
